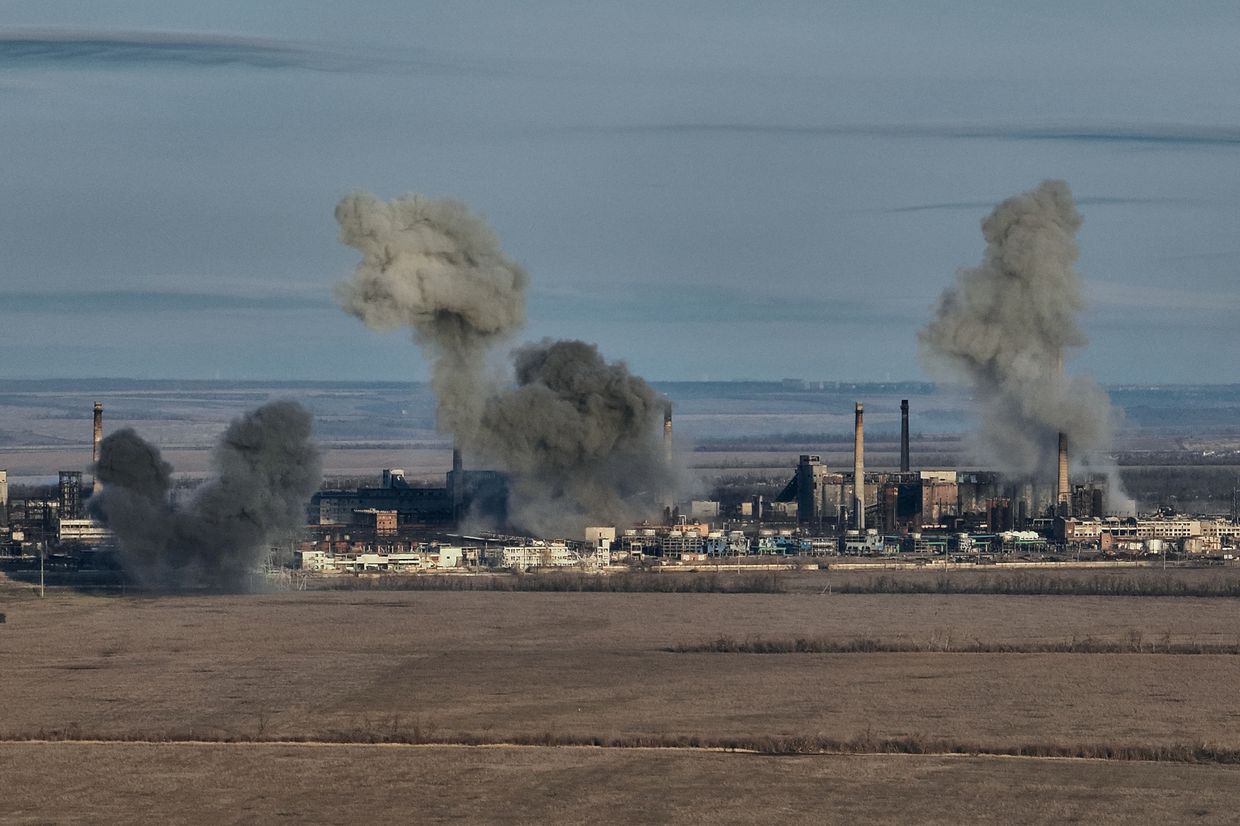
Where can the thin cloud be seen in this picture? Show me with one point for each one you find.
(971, 206)
(74, 48)
(706, 303)
(1153, 135)
(1160, 300)
(151, 301)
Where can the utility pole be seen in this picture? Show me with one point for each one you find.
(42, 588)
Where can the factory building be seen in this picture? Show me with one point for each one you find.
(70, 488)
(464, 491)
(911, 500)
(82, 531)
(1190, 534)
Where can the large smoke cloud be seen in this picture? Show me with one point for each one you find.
(577, 435)
(435, 267)
(1006, 326)
(267, 468)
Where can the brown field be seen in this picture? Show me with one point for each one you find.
(226, 784)
(541, 667)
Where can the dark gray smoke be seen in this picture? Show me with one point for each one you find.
(267, 468)
(1006, 326)
(578, 436)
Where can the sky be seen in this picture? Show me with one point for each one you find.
(708, 190)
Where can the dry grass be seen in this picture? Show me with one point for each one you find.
(568, 668)
(500, 666)
(1218, 582)
(221, 784)
(395, 732)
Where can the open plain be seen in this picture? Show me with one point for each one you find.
(212, 680)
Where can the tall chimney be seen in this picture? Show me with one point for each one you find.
(456, 481)
(904, 459)
(859, 471)
(670, 501)
(94, 453)
(1063, 495)
(667, 433)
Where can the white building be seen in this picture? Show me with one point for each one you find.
(86, 531)
(537, 555)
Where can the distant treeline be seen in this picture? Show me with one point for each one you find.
(759, 583)
(1133, 643)
(1180, 486)
(396, 731)
(1031, 584)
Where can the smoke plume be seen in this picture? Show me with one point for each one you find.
(434, 266)
(267, 468)
(577, 436)
(1006, 326)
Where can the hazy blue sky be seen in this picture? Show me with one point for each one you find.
(708, 190)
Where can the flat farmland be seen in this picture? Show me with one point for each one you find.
(500, 665)
(347, 784)
(342, 668)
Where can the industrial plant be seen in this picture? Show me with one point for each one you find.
(822, 517)
(568, 465)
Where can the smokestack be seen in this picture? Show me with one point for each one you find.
(94, 452)
(859, 471)
(667, 434)
(456, 480)
(1063, 495)
(904, 460)
(670, 500)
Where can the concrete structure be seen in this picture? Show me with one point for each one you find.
(601, 537)
(904, 445)
(85, 531)
(864, 543)
(395, 558)
(394, 477)
(858, 497)
(667, 434)
(733, 543)
(70, 488)
(703, 509)
(810, 482)
(381, 523)
(676, 544)
(481, 492)
(4, 497)
(98, 434)
(536, 555)
(1063, 493)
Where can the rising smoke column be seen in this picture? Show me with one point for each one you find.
(266, 469)
(434, 266)
(578, 436)
(1006, 326)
